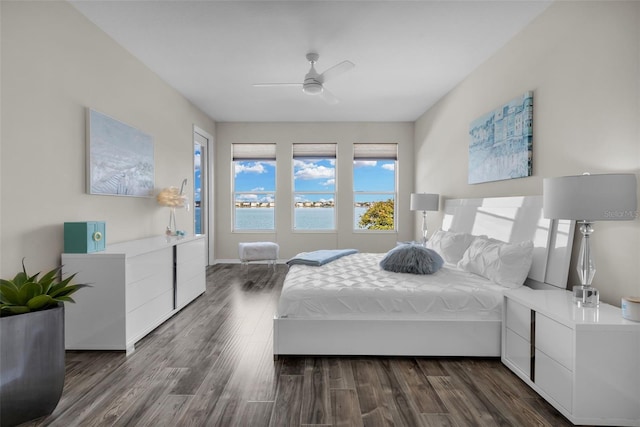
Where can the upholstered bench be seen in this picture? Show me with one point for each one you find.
(258, 251)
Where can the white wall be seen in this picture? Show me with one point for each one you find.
(284, 135)
(54, 64)
(582, 60)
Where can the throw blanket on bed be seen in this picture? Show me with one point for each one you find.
(321, 257)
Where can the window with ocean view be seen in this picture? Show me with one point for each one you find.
(254, 187)
(314, 186)
(374, 186)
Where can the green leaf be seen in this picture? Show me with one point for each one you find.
(67, 290)
(39, 301)
(63, 298)
(16, 309)
(20, 279)
(61, 284)
(8, 282)
(9, 293)
(28, 291)
(48, 279)
(33, 278)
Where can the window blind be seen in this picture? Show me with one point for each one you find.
(254, 151)
(314, 151)
(375, 151)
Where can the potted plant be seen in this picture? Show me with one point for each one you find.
(32, 344)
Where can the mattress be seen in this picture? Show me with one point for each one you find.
(355, 287)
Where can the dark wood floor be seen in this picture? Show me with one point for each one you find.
(212, 364)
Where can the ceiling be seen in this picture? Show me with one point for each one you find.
(407, 54)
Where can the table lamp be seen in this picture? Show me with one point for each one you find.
(586, 199)
(424, 202)
(173, 198)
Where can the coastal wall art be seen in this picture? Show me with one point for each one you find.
(120, 158)
(501, 142)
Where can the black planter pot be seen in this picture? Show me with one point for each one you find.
(31, 365)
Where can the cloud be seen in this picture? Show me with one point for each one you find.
(251, 167)
(389, 166)
(258, 189)
(329, 182)
(246, 197)
(310, 170)
(364, 163)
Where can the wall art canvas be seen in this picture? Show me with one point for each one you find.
(501, 142)
(120, 158)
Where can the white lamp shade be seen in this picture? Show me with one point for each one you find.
(424, 202)
(606, 197)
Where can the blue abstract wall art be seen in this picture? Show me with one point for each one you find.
(501, 142)
(120, 158)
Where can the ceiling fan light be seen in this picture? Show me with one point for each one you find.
(312, 88)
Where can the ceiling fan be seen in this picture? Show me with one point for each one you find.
(313, 82)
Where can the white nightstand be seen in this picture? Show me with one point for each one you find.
(584, 362)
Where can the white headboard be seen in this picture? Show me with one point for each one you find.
(513, 220)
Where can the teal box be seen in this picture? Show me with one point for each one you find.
(84, 237)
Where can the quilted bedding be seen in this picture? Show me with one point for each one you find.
(355, 287)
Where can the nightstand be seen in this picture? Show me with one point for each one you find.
(583, 361)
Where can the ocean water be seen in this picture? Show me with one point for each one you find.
(255, 219)
(305, 218)
(198, 228)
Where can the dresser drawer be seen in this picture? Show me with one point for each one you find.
(555, 340)
(146, 317)
(148, 264)
(518, 319)
(138, 293)
(191, 251)
(518, 352)
(554, 379)
(188, 290)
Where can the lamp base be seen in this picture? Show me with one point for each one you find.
(586, 296)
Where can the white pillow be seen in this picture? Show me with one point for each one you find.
(451, 246)
(503, 263)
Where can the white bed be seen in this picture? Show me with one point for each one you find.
(352, 307)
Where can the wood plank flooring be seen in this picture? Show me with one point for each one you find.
(212, 365)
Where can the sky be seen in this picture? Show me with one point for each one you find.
(314, 179)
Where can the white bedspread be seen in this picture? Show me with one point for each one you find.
(355, 287)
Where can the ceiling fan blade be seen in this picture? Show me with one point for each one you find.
(276, 84)
(328, 97)
(337, 70)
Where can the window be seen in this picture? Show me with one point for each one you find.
(254, 187)
(374, 186)
(200, 143)
(314, 186)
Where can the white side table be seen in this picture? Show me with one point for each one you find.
(584, 362)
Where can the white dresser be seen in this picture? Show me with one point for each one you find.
(136, 286)
(583, 361)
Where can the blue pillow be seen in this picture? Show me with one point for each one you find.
(414, 259)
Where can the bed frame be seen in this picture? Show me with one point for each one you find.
(511, 219)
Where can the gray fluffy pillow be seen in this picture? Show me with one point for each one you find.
(414, 259)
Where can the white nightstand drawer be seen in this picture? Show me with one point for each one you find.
(585, 361)
(555, 340)
(518, 318)
(518, 352)
(554, 379)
